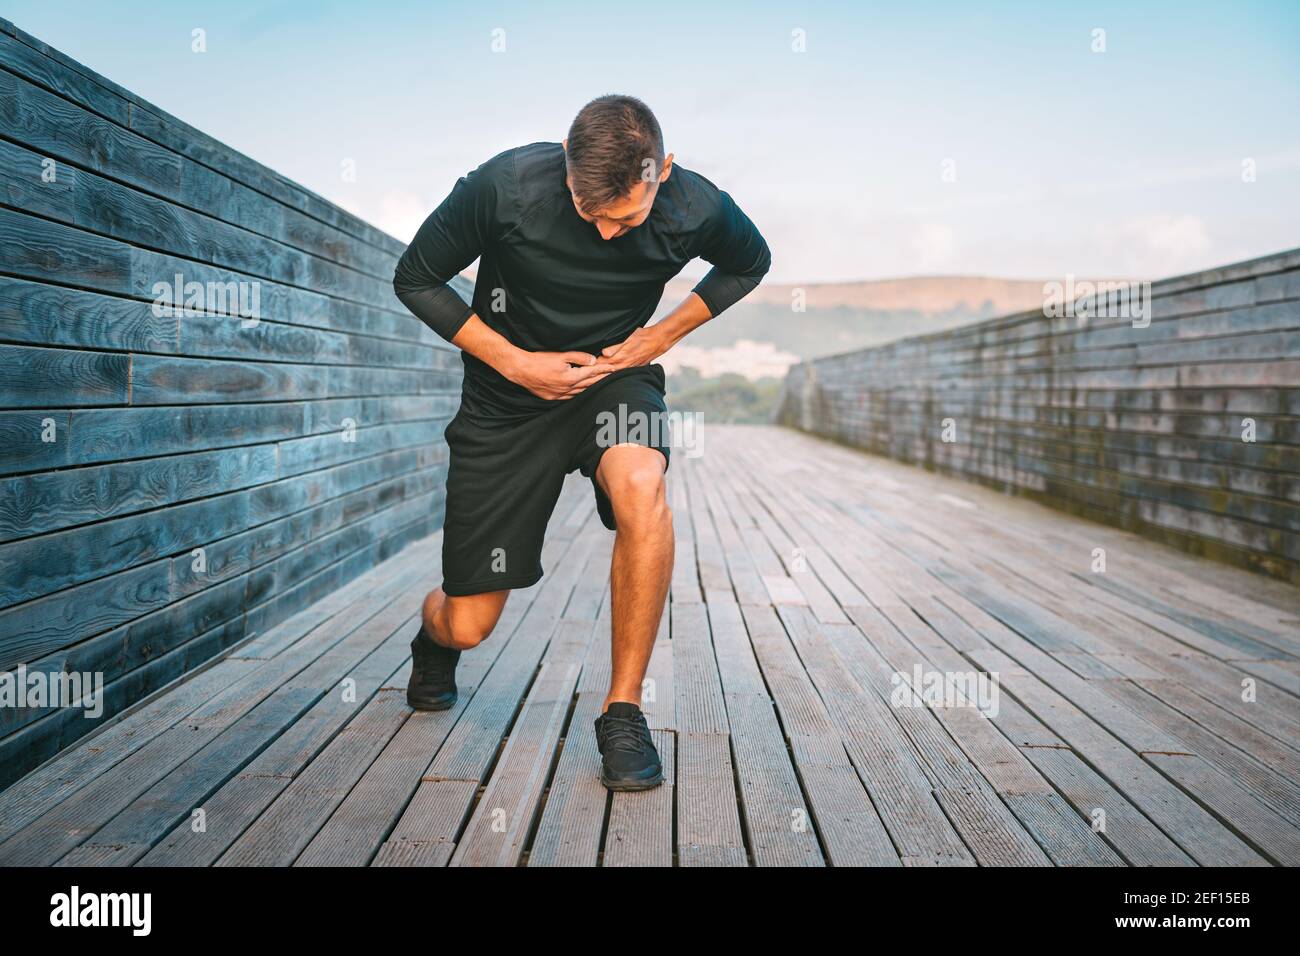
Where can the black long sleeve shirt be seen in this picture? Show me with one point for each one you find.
(546, 279)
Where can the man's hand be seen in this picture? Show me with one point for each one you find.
(555, 375)
(646, 344)
(548, 375)
(640, 348)
(559, 375)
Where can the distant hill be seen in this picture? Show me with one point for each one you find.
(931, 294)
(843, 316)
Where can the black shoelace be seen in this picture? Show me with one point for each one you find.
(625, 733)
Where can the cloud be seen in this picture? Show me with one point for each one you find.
(1156, 245)
(933, 244)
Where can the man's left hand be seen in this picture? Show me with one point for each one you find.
(640, 348)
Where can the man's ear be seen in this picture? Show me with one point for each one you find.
(668, 168)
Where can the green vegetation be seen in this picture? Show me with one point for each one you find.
(811, 334)
(724, 399)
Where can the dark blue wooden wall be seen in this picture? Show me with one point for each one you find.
(1143, 426)
(296, 451)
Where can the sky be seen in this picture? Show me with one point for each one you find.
(866, 140)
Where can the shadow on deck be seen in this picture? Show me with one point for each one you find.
(1147, 714)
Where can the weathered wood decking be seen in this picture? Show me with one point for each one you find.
(807, 576)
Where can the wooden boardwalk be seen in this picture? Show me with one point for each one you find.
(1144, 714)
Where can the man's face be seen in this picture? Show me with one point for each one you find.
(625, 214)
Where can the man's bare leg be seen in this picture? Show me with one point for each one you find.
(462, 622)
(448, 625)
(633, 478)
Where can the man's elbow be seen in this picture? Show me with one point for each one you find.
(402, 277)
(764, 264)
(412, 274)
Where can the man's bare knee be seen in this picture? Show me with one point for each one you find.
(466, 622)
(464, 638)
(636, 489)
(429, 611)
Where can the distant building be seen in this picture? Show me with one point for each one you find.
(754, 360)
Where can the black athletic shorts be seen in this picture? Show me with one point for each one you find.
(503, 482)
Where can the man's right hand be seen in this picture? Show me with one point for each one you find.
(549, 375)
(555, 375)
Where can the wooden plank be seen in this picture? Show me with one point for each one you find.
(1007, 771)
(37, 314)
(168, 801)
(1024, 391)
(99, 204)
(709, 561)
(1066, 839)
(1116, 819)
(20, 58)
(886, 762)
(1282, 794)
(1202, 671)
(987, 827)
(640, 831)
(685, 585)
(60, 129)
(849, 826)
(745, 579)
(1199, 833)
(61, 378)
(708, 821)
(33, 504)
(700, 706)
(241, 801)
(1265, 749)
(47, 68)
(1266, 831)
(572, 821)
(1140, 734)
(425, 836)
(230, 807)
(498, 829)
(658, 697)
(64, 826)
(37, 792)
(1114, 733)
(779, 825)
(790, 581)
(78, 555)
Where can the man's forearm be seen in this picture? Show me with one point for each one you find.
(681, 321)
(549, 375)
(487, 345)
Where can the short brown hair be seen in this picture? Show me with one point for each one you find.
(609, 142)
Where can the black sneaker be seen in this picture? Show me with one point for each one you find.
(433, 674)
(630, 759)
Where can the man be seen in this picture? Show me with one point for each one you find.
(576, 241)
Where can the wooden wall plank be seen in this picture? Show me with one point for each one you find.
(296, 451)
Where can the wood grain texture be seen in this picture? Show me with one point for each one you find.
(177, 480)
(1116, 733)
